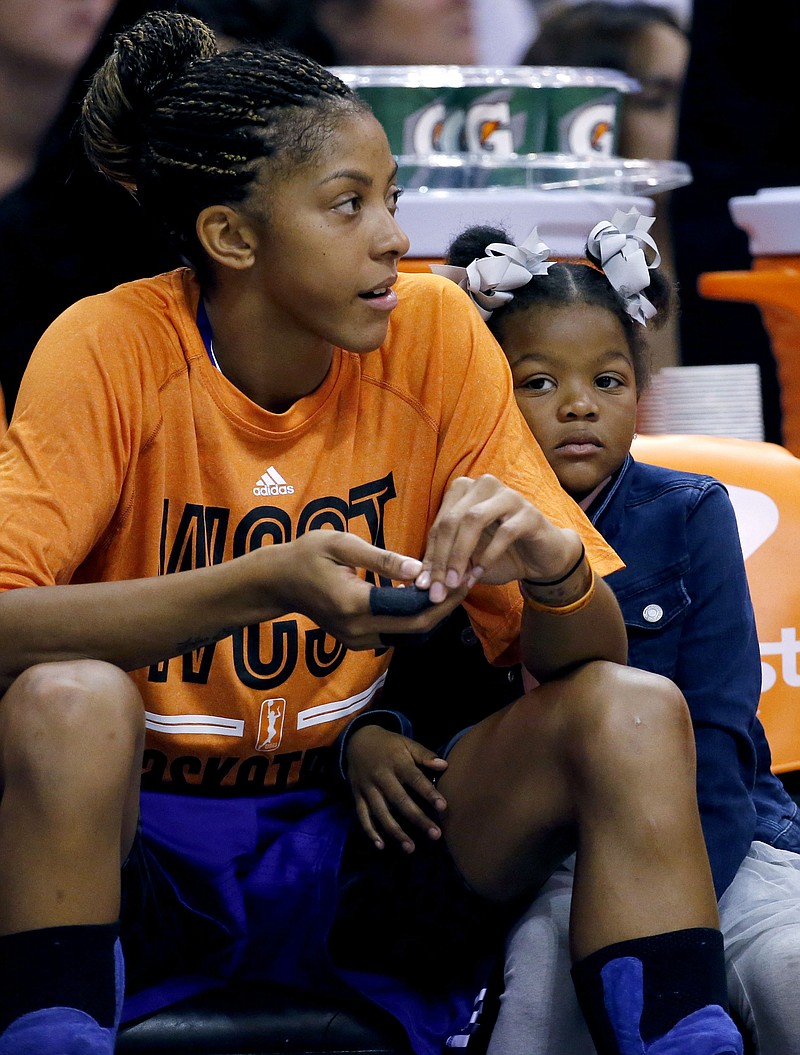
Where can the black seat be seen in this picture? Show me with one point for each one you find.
(252, 1019)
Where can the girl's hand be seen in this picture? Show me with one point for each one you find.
(385, 770)
(486, 531)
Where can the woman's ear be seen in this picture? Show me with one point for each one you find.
(227, 236)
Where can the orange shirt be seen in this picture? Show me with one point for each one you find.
(130, 456)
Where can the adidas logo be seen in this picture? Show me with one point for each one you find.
(272, 483)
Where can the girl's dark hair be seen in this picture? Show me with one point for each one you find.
(184, 126)
(566, 283)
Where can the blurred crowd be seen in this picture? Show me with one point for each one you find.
(703, 98)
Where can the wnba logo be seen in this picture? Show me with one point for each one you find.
(270, 725)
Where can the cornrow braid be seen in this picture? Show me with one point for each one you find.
(184, 126)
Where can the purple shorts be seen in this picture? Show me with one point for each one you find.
(286, 888)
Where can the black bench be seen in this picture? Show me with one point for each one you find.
(252, 1019)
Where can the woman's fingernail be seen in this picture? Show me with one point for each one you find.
(437, 592)
(474, 575)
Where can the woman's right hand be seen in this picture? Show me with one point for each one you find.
(320, 575)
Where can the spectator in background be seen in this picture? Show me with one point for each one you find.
(376, 32)
(42, 45)
(645, 41)
(65, 231)
(681, 9)
(232, 21)
(740, 111)
(642, 40)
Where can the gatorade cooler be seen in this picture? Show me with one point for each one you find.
(771, 219)
(494, 110)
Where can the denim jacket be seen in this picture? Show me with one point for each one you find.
(688, 613)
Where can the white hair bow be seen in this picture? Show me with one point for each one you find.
(490, 280)
(619, 246)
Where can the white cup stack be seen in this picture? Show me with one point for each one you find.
(722, 400)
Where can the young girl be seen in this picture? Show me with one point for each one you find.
(576, 345)
(206, 476)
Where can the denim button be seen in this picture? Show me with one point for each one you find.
(652, 613)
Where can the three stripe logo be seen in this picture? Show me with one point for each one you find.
(272, 483)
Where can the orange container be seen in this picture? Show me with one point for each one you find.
(773, 285)
(763, 480)
(418, 264)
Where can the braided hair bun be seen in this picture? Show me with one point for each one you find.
(145, 59)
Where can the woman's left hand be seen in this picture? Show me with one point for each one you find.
(489, 532)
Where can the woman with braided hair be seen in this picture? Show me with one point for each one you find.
(215, 483)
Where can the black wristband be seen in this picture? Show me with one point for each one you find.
(563, 578)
